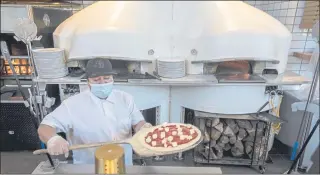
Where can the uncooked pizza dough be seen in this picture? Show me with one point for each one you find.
(170, 137)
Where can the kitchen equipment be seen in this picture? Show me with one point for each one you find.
(50, 63)
(137, 146)
(20, 65)
(32, 115)
(313, 88)
(26, 31)
(305, 144)
(67, 168)
(152, 75)
(109, 159)
(171, 68)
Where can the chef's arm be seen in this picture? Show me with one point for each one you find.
(138, 126)
(46, 132)
(58, 120)
(137, 119)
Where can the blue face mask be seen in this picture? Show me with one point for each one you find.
(101, 90)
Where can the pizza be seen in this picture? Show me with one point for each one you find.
(172, 136)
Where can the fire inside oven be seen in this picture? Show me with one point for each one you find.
(233, 71)
(229, 141)
(21, 67)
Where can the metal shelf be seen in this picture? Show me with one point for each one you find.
(11, 77)
(15, 57)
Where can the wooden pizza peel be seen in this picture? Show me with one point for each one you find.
(138, 147)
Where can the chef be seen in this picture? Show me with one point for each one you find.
(99, 114)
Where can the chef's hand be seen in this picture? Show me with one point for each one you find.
(146, 125)
(57, 145)
(141, 125)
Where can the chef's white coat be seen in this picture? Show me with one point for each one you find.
(88, 119)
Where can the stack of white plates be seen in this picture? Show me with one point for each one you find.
(171, 68)
(50, 63)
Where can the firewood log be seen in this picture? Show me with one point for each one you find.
(227, 131)
(251, 132)
(224, 139)
(206, 136)
(237, 150)
(227, 147)
(231, 123)
(251, 139)
(219, 127)
(241, 134)
(236, 129)
(212, 122)
(219, 147)
(244, 124)
(221, 144)
(248, 147)
(208, 153)
(215, 134)
(232, 139)
(213, 143)
(259, 126)
(219, 154)
(258, 151)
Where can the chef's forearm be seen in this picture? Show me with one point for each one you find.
(46, 132)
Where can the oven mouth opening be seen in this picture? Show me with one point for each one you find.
(237, 72)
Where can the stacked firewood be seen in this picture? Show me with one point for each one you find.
(232, 137)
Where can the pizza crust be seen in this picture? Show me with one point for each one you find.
(169, 148)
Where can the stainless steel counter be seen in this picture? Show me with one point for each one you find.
(64, 168)
(287, 78)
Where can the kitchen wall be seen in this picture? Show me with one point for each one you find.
(290, 14)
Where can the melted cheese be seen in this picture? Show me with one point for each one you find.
(154, 136)
(162, 135)
(153, 143)
(189, 137)
(170, 138)
(164, 141)
(165, 145)
(179, 129)
(161, 129)
(174, 144)
(192, 131)
(180, 133)
(182, 137)
(148, 140)
(174, 133)
(167, 129)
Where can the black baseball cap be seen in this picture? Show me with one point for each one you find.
(99, 67)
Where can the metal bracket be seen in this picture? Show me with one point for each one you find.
(151, 52)
(194, 52)
(265, 116)
(158, 115)
(42, 86)
(39, 99)
(26, 104)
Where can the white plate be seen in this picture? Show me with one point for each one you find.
(170, 60)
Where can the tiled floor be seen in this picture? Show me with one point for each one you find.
(25, 162)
